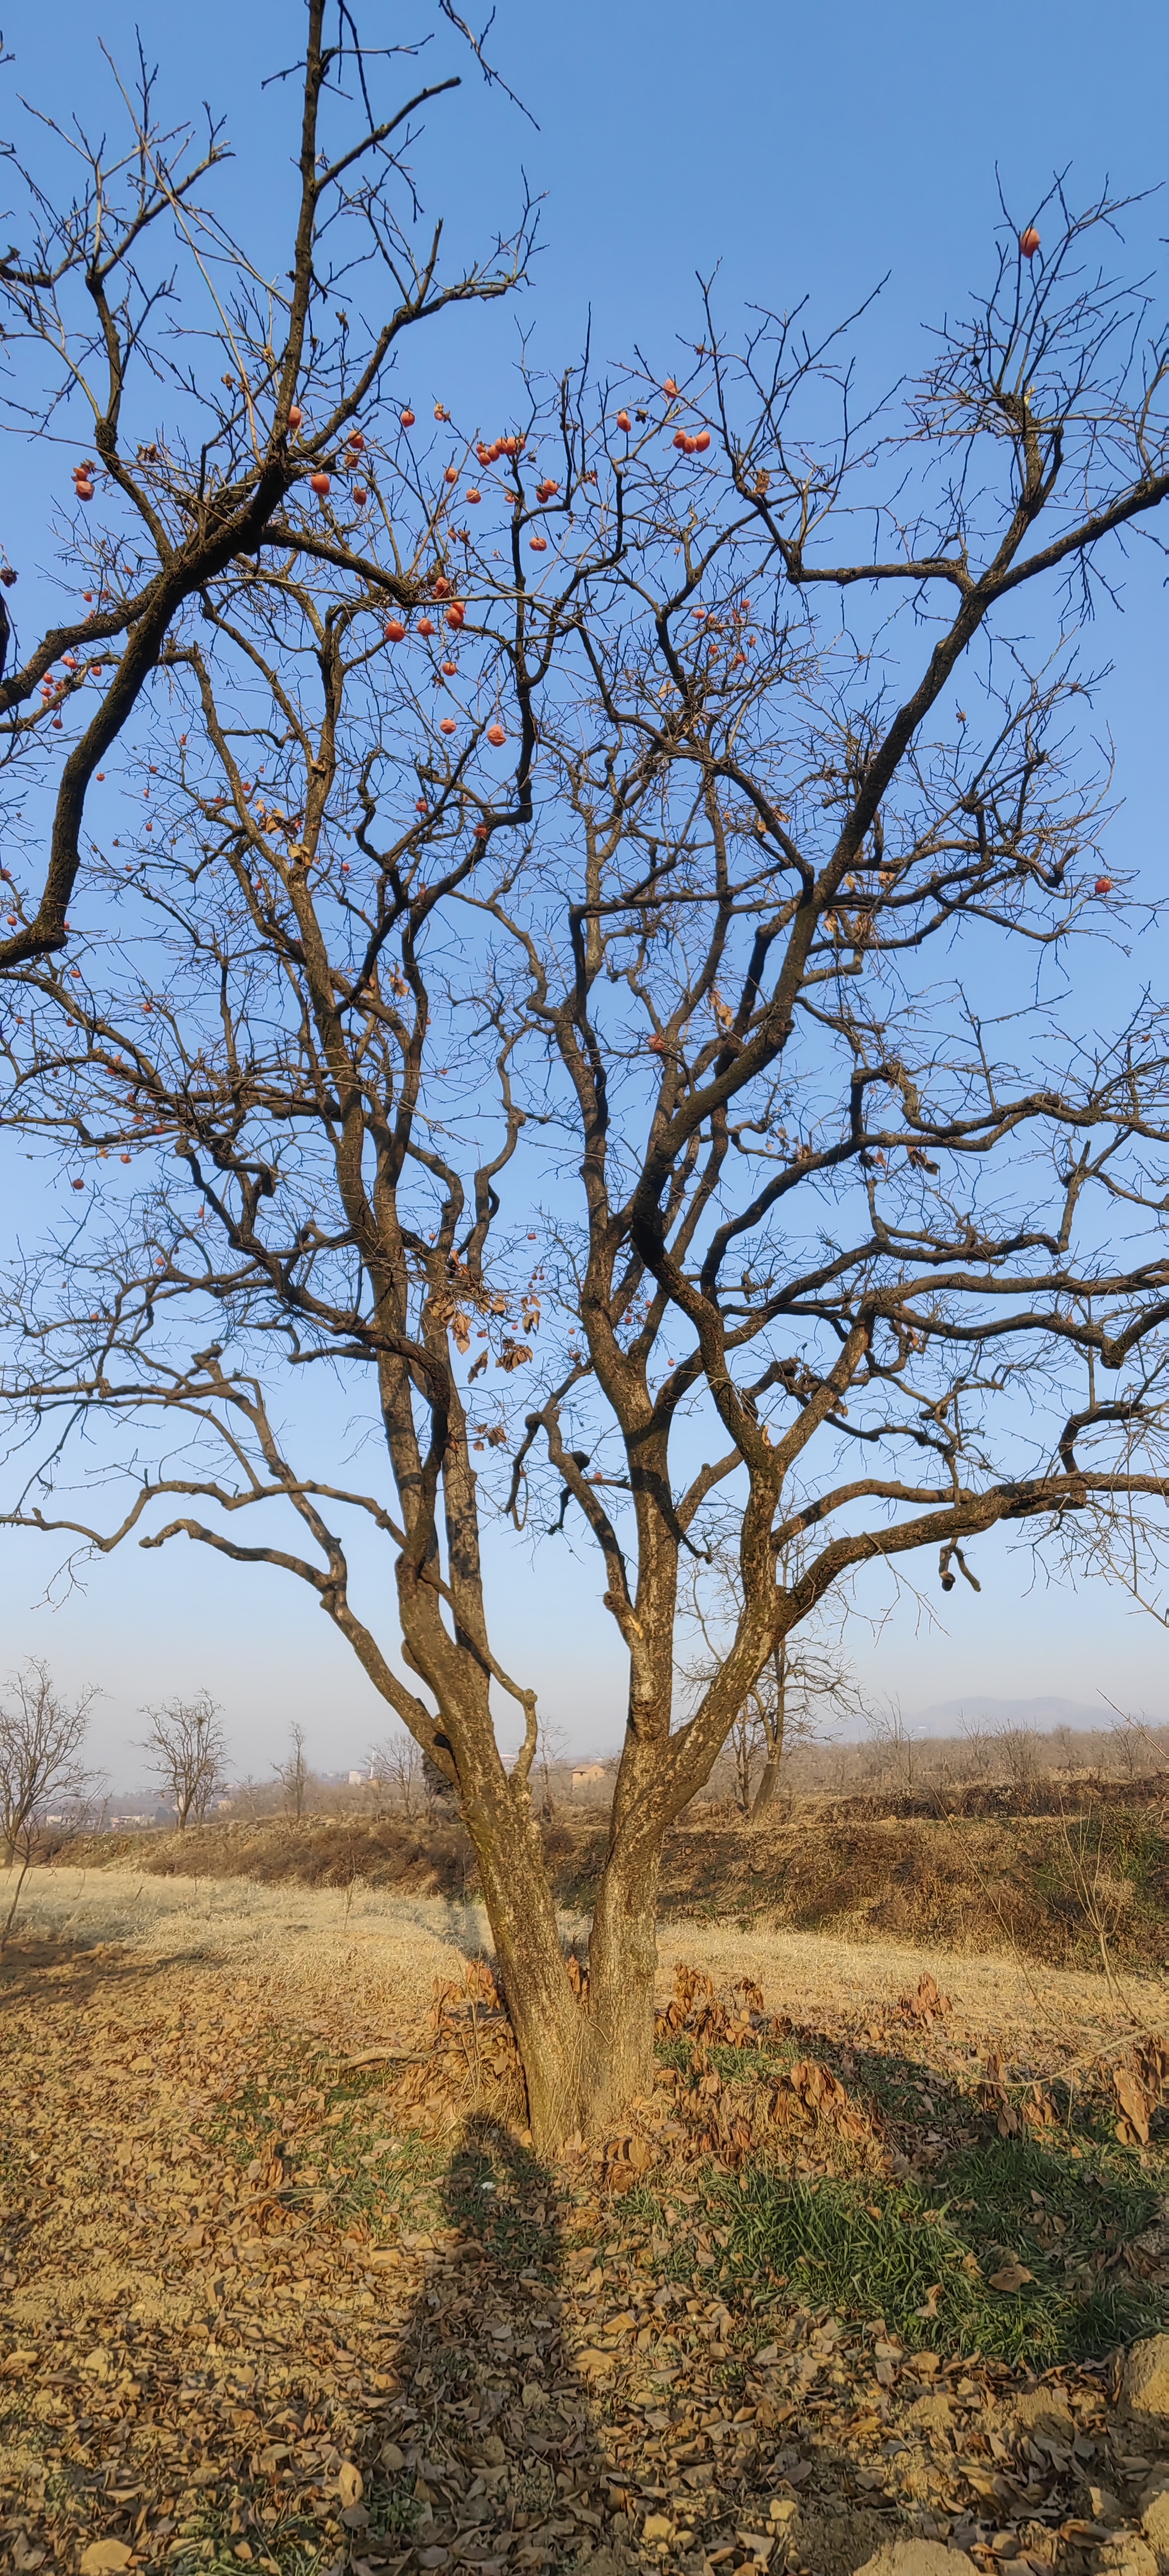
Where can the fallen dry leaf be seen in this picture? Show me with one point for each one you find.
(105, 2558)
(927, 2004)
(1010, 2276)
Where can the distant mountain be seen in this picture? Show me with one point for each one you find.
(1040, 1715)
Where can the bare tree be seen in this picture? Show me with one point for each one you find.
(44, 1784)
(977, 1743)
(553, 1741)
(663, 837)
(187, 1751)
(255, 1797)
(294, 1776)
(1130, 1746)
(803, 1690)
(893, 1746)
(806, 1685)
(1016, 1755)
(438, 1790)
(395, 1767)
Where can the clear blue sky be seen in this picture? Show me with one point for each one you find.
(799, 152)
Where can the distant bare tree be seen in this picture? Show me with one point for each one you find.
(552, 1747)
(42, 1776)
(187, 1750)
(806, 1682)
(1129, 1746)
(971, 1759)
(294, 1775)
(893, 1745)
(1018, 1756)
(395, 1770)
(436, 1789)
(252, 1795)
(801, 1691)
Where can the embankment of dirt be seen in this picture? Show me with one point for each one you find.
(1066, 1889)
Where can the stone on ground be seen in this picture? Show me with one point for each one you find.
(1154, 2513)
(918, 2558)
(1144, 2385)
(1041, 2412)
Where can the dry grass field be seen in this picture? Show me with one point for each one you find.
(285, 2287)
(1046, 1885)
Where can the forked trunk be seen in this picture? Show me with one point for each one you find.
(586, 2063)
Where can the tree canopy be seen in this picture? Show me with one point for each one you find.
(568, 969)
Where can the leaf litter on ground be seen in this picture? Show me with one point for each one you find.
(300, 2297)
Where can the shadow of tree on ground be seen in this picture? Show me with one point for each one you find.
(259, 2315)
(491, 2457)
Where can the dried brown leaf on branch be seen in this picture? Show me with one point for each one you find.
(991, 2095)
(1139, 2082)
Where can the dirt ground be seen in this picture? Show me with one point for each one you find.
(270, 2301)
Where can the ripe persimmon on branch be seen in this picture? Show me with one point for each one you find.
(600, 1017)
(121, 259)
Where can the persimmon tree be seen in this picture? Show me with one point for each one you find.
(600, 1020)
(122, 271)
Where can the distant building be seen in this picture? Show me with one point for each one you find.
(587, 1774)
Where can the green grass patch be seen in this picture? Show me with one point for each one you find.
(332, 2124)
(206, 2545)
(747, 2065)
(922, 2261)
(216, 2556)
(393, 2510)
(753, 2064)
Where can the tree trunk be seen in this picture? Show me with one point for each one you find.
(584, 2063)
(533, 1972)
(768, 1783)
(11, 1915)
(774, 1733)
(743, 1752)
(623, 1953)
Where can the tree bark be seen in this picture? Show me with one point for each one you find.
(768, 1783)
(585, 2062)
(533, 1970)
(774, 1731)
(623, 1954)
